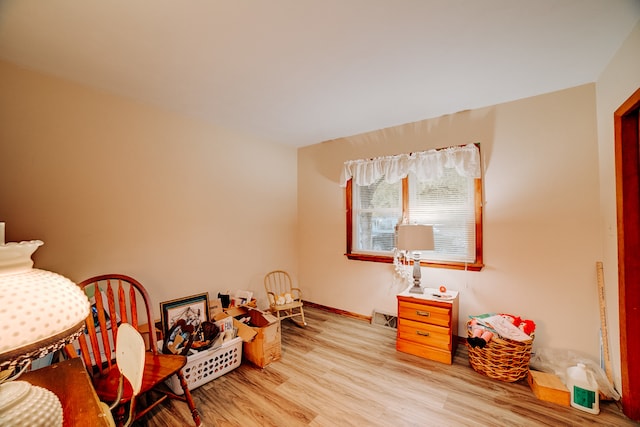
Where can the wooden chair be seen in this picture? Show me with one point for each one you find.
(119, 298)
(285, 301)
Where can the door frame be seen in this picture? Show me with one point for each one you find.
(627, 157)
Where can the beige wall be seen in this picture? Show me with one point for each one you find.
(541, 216)
(111, 185)
(618, 81)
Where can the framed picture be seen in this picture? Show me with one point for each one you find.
(193, 310)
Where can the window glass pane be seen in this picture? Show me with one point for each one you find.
(447, 204)
(377, 209)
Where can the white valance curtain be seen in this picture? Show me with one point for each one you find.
(426, 165)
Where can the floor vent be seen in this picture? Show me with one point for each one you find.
(387, 320)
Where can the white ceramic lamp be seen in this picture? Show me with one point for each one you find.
(40, 312)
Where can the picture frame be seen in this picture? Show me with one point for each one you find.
(193, 309)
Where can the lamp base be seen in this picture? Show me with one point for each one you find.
(22, 404)
(416, 289)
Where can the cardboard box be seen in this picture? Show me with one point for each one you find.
(549, 387)
(262, 340)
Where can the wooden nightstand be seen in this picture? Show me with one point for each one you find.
(427, 325)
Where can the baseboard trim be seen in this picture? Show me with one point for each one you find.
(461, 340)
(338, 311)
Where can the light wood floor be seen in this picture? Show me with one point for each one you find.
(340, 371)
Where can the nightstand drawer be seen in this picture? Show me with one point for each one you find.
(431, 353)
(423, 333)
(425, 313)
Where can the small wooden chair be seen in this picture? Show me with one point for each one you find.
(116, 299)
(285, 301)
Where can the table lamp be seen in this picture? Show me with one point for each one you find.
(40, 312)
(415, 238)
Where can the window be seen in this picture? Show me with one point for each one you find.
(441, 188)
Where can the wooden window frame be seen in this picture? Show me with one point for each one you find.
(477, 265)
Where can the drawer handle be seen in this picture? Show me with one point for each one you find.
(422, 333)
(423, 313)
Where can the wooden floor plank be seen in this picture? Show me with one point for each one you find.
(340, 371)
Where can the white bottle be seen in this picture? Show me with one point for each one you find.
(584, 389)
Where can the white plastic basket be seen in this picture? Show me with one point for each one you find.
(204, 366)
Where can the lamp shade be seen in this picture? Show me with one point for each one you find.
(40, 311)
(415, 237)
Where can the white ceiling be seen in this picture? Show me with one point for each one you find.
(305, 71)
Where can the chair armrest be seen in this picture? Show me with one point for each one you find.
(271, 296)
(299, 292)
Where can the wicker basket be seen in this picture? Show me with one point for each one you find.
(501, 359)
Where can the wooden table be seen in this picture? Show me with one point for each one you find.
(70, 381)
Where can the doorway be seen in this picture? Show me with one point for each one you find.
(627, 150)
